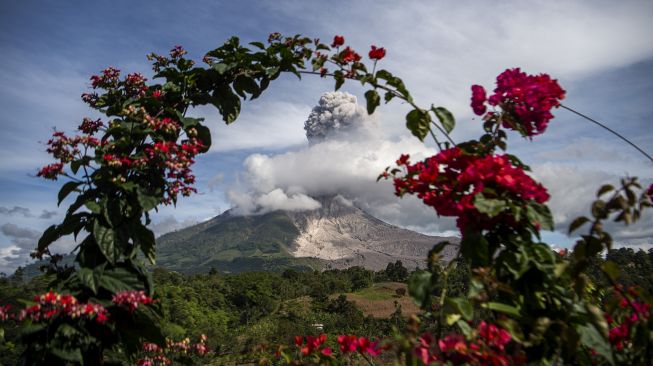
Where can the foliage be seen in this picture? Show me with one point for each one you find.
(523, 302)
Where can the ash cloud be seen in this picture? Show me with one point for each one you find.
(338, 115)
(344, 156)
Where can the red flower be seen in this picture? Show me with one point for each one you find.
(338, 41)
(157, 94)
(478, 99)
(348, 343)
(50, 171)
(450, 180)
(377, 53)
(348, 55)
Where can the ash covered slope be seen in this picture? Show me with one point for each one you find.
(345, 235)
(336, 235)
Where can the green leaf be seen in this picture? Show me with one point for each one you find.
(51, 234)
(418, 122)
(539, 213)
(475, 248)
(87, 278)
(120, 279)
(245, 84)
(220, 68)
(66, 190)
(146, 201)
(144, 237)
(258, 44)
(464, 328)
(68, 354)
(445, 117)
(227, 103)
(489, 206)
(577, 223)
(502, 308)
(591, 338)
(340, 79)
(598, 209)
(189, 122)
(106, 240)
(204, 135)
(419, 286)
(373, 100)
(611, 269)
(93, 206)
(462, 306)
(604, 189)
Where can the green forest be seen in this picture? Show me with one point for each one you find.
(244, 315)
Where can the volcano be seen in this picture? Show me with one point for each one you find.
(338, 234)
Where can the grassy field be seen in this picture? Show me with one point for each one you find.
(379, 300)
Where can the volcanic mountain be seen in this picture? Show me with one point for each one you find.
(336, 235)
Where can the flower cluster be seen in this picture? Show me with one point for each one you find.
(66, 149)
(50, 171)
(131, 299)
(450, 181)
(311, 344)
(135, 85)
(362, 345)
(155, 355)
(52, 304)
(108, 79)
(527, 100)
(621, 324)
(488, 347)
(176, 159)
(90, 126)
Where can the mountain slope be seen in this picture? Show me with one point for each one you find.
(337, 235)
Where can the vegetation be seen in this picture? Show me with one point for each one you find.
(517, 300)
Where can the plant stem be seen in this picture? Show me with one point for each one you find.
(609, 130)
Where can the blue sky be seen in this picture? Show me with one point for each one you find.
(599, 50)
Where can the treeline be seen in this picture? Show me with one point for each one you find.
(238, 312)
